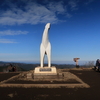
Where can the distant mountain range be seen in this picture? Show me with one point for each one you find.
(24, 66)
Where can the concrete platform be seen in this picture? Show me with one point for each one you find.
(58, 76)
(67, 80)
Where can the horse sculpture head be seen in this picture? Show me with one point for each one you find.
(47, 26)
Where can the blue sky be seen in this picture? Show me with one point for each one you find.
(74, 32)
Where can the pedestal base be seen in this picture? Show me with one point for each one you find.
(45, 71)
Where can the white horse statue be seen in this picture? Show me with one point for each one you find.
(45, 47)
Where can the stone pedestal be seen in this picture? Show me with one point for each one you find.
(45, 71)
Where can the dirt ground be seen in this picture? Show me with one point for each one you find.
(90, 77)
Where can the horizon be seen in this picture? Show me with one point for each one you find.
(62, 63)
(74, 31)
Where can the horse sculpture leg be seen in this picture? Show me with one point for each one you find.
(48, 51)
(42, 53)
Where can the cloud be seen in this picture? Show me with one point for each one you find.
(73, 4)
(68, 15)
(31, 13)
(10, 32)
(7, 41)
(57, 7)
(36, 11)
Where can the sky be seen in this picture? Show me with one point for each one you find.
(74, 31)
